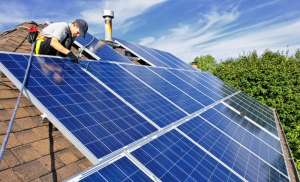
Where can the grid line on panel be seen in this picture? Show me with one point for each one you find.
(164, 88)
(250, 143)
(251, 121)
(253, 128)
(252, 113)
(172, 157)
(120, 170)
(212, 84)
(203, 89)
(186, 87)
(155, 107)
(90, 112)
(229, 151)
(178, 86)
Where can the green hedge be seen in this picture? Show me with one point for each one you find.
(273, 79)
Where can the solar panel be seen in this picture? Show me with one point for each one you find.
(141, 123)
(171, 92)
(250, 127)
(90, 115)
(121, 170)
(182, 85)
(106, 53)
(88, 40)
(244, 138)
(172, 157)
(210, 82)
(258, 113)
(153, 56)
(233, 154)
(213, 94)
(151, 104)
(100, 49)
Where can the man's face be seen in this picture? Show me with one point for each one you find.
(75, 30)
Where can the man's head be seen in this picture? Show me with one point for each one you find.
(78, 27)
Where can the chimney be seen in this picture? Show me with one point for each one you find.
(108, 15)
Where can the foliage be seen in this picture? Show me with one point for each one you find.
(273, 79)
(297, 54)
(205, 63)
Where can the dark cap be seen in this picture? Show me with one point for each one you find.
(82, 25)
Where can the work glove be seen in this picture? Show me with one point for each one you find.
(73, 58)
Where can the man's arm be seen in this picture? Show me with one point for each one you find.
(57, 46)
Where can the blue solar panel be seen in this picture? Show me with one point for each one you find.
(220, 89)
(255, 111)
(184, 86)
(211, 83)
(180, 64)
(99, 120)
(241, 135)
(135, 92)
(172, 157)
(121, 170)
(250, 127)
(88, 40)
(154, 56)
(167, 58)
(214, 94)
(106, 53)
(232, 153)
(101, 49)
(169, 91)
(92, 104)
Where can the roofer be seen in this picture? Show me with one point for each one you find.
(57, 38)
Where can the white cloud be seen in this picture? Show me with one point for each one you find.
(210, 36)
(124, 11)
(147, 40)
(11, 12)
(274, 37)
(183, 39)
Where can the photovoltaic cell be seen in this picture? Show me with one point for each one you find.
(99, 120)
(121, 170)
(219, 89)
(106, 53)
(255, 111)
(212, 94)
(154, 56)
(243, 137)
(184, 86)
(172, 157)
(211, 82)
(101, 49)
(184, 101)
(231, 153)
(135, 92)
(249, 126)
(172, 58)
(87, 41)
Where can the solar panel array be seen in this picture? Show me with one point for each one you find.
(167, 122)
(99, 49)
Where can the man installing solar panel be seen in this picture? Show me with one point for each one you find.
(57, 38)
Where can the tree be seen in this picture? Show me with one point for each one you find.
(297, 54)
(205, 63)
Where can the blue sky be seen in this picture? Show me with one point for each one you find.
(186, 28)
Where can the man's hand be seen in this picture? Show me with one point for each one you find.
(58, 46)
(73, 58)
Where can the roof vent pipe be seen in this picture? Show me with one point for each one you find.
(108, 15)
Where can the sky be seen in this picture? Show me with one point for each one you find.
(186, 28)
